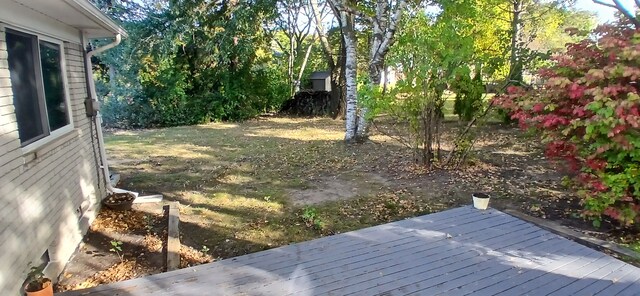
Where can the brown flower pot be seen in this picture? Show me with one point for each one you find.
(119, 201)
(46, 291)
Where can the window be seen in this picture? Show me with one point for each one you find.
(38, 85)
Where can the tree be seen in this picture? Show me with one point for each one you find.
(335, 62)
(346, 19)
(383, 22)
(524, 18)
(524, 13)
(294, 21)
(191, 61)
(384, 25)
(432, 51)
(562, 26)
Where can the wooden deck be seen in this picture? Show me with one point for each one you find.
(462, 251)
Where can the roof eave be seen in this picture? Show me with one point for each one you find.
(94, 13)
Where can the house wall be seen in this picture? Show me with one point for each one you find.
(48, 197)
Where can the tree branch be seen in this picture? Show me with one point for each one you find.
(326, 47)
(389, 36)
(344, 7)
(618, 6)
(605, 4)
(284, 50)
(627, 13)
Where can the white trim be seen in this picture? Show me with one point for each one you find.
(25, 19)
(98, 15)
(53, 135)
(65, 79)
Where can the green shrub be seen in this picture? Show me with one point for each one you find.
(469, 93)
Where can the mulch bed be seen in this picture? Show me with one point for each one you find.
(142, 232)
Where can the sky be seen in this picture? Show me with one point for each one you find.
(604, 13)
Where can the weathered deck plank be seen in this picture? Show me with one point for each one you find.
(456, 252)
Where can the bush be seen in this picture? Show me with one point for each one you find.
(170, 97)
(589, 114)
(469, 93)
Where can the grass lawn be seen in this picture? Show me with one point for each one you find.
(251, 186)
(245, 187)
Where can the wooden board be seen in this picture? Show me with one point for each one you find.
(462, 251)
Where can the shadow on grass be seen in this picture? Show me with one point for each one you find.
(229, 174)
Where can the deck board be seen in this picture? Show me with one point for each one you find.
(462, 251)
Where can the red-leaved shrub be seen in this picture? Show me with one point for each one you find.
(589, 113)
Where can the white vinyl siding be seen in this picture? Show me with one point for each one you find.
(48, 196)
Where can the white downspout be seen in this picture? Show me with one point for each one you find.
(98, 119)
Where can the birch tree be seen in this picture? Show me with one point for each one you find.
(347, 22)
(383, 23)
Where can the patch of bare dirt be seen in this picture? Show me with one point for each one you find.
(340, 187)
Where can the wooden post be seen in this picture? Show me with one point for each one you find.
(173, 236)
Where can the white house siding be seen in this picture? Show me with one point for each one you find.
(47, 197)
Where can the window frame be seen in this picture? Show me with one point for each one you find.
(49, 136)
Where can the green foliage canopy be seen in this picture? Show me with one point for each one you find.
(191, 61)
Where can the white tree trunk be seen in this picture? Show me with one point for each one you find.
(384, 28)
(351, 75)
(515, 68)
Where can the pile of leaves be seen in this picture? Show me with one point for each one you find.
(192, 257)
(126, 221)
(124, 244)
(589, 114)
(125, 270)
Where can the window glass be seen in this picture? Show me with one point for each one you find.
(53, 85)
(21, 53)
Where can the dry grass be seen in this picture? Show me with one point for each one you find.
(244, 187)
(235, 182)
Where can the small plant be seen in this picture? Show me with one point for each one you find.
(204, 250)
(309, 214)
(148, 220)
(36, 280)
(311, 219)
(116, 247)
